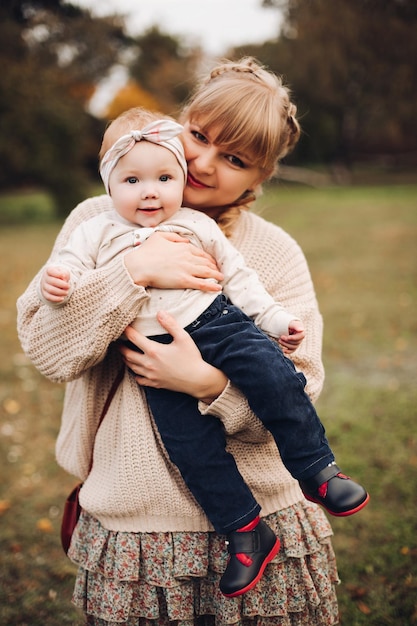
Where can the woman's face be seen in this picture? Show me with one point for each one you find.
(216, 178)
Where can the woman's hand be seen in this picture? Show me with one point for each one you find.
(177, 366)
(169, 261)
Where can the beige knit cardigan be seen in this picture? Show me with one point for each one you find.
(133, 486)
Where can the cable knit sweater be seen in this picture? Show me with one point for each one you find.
(133, 486)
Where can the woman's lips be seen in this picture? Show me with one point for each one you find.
(193, 182)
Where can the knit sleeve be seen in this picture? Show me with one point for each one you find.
(238, 419)
(294, 287)
(64, 342)
(283, 269)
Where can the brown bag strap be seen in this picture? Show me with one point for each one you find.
(106, 406)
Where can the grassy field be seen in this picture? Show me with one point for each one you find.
(361, 244)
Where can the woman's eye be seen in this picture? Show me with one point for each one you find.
(132, 180)
(199, 136)
(234, 160)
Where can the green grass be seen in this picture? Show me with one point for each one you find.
(361, 247)
(28, 206)
(36, 579)
(361, 244)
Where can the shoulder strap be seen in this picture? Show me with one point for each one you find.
(106, 406)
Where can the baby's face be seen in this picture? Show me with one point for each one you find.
(147, 185)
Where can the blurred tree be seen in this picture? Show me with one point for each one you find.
(165, 68)
(52, 54)
(352, 66)
(131, 95)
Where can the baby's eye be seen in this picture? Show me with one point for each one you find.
(164, 178)
(132, 180)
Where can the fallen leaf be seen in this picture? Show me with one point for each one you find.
(356, 591)
(364, 608)
(44, 525)
(16, 548)
(11, 406)
(4, 506)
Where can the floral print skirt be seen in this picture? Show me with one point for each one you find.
(166, 579)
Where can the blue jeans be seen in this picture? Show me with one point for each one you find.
(196, 443)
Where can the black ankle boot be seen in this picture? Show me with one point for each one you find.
(257, 547)
(337, 493)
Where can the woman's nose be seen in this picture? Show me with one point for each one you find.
(205, 161)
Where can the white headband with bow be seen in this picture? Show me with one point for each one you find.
(162, 132)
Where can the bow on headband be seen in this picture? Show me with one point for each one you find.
(162, 132)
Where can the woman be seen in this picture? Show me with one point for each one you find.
(145, 550)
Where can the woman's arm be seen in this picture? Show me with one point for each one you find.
(169, 261)
(283, 269)
(297, 293)
(177, 366)
(62, 343)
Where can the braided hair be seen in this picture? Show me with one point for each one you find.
(248, 111)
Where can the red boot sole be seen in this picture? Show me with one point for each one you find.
(343, 514)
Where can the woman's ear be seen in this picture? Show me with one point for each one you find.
(265, 175)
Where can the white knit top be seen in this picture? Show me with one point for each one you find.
(133, 486)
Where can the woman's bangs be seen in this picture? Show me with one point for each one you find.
(238, 132)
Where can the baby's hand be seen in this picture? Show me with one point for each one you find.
(55, 283)
(296, 333)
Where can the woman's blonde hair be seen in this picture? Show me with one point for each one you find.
(248, 110)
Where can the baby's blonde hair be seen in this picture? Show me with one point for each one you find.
(248, 110)
(132, 119)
